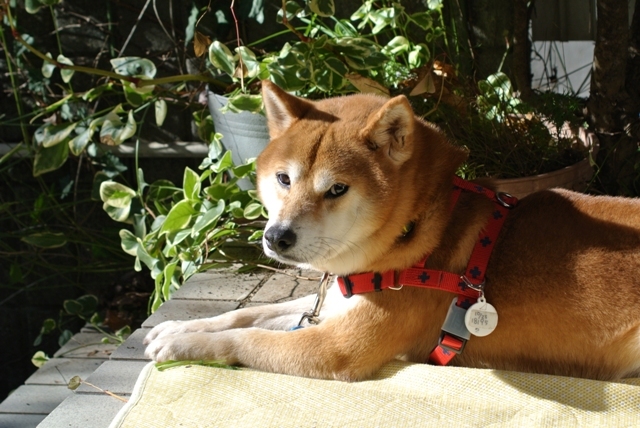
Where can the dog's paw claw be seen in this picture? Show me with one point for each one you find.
(163, 329)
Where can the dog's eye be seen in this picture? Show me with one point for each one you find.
(336, 190)
(283, 179)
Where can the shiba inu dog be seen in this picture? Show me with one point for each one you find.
(358, 185)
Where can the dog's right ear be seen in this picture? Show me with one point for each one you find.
(282, 109)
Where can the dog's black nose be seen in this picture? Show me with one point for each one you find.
(280, 238)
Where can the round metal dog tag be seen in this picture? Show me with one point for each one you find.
(481, 318)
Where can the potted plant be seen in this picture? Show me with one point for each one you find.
(522, 147)
(377, 51)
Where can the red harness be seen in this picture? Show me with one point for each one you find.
(468, 286)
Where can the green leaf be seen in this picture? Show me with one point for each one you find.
(89, 304)
(134, 67)
(224, 163)
(222, 58)
(292, 10)
(146, 258)
(236, 210)
(48, 326)
(72, 307)
(96, 319)
(191, 25)
(500, 82)
(115, 194)
(113, 132)
(245, 102)
(117, 200)
(397, 45)
(168, 275)
(256, 236)
(434, 4)
(252, 211)
(55, 134)
(95, 92)
(15, 274)
(65, 336)
(327, 80)
(251, 64)
(322, 8)
(74, 383)
(46, 239)
(419, 56)
(137, 95)
(160, 108)
(129, 242)
(191, 184)
(65, 73)
(208, 218)
(47, 67)
(179, 217)
(242, 171)
(422, 20)
(176, 238)
(39, 358)
(50, 158)
(285, 77)
(78, 143)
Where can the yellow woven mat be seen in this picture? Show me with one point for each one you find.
(401, 395)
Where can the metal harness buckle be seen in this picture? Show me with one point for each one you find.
(312, 316)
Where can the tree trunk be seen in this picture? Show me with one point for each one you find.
(522, 48)
(609, 67)
(633, 74)
(609, 101)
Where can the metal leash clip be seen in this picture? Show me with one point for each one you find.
(312, 316)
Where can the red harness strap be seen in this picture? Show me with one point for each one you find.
(466, 286)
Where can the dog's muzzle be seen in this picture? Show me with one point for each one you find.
(279, 238)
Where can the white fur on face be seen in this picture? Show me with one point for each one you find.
(331, 234)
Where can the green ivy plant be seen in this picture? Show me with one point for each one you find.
(497, 100)
(209, 222)
(84, 307)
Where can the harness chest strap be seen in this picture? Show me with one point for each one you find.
(467, 287)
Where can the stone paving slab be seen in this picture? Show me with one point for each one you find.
(188, 310)
(20, 421)
(58, 371)
(220, 286)
(118, 377)
(35, 399)
(132, 348)
(86, 345)
(84, 411)
(281, 287)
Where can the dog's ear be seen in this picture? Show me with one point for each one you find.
(391, 128)
(282, 109)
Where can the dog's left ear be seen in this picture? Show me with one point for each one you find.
(282, 109)
(390, 129)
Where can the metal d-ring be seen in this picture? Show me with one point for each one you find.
(312, 316)
(501, 196)
(396, 282)
(475, 287)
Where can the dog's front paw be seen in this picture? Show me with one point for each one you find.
(176, 327)
(191, 346)
(167, 348)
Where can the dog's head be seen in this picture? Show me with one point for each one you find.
(331, 178)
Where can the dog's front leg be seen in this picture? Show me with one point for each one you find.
(348, 346)
(279, 316)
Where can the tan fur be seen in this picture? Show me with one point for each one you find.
(564, 275)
